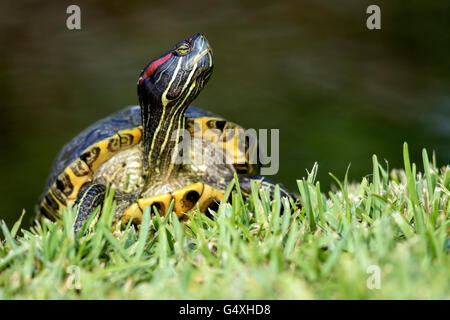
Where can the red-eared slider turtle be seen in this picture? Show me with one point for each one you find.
(137, 150)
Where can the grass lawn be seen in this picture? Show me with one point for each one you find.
(386, 237)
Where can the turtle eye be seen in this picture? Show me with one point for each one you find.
(183, 48)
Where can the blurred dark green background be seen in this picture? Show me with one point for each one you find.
(337, 91)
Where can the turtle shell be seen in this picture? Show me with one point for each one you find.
(76, 163)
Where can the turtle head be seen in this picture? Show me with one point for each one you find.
(166, 87)
(176, 78)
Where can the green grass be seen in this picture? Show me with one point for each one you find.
(395, 221)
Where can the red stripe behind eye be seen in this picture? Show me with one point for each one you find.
(152, 66)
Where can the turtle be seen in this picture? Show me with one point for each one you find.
(138, 150)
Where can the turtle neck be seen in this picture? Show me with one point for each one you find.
(163, 123)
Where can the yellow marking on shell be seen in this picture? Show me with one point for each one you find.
(208, 196)
(44, 206)
(80, 168)
(77, 182)
(49, 211)
(136, 133)
(57, 193)
(60, 205)
(232, 147)
(112, 145)
(181, 203)
(163, 199)
(134, 212)
(105, 153)
(199, 128)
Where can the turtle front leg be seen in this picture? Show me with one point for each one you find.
(245, 185)
(91, 197)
